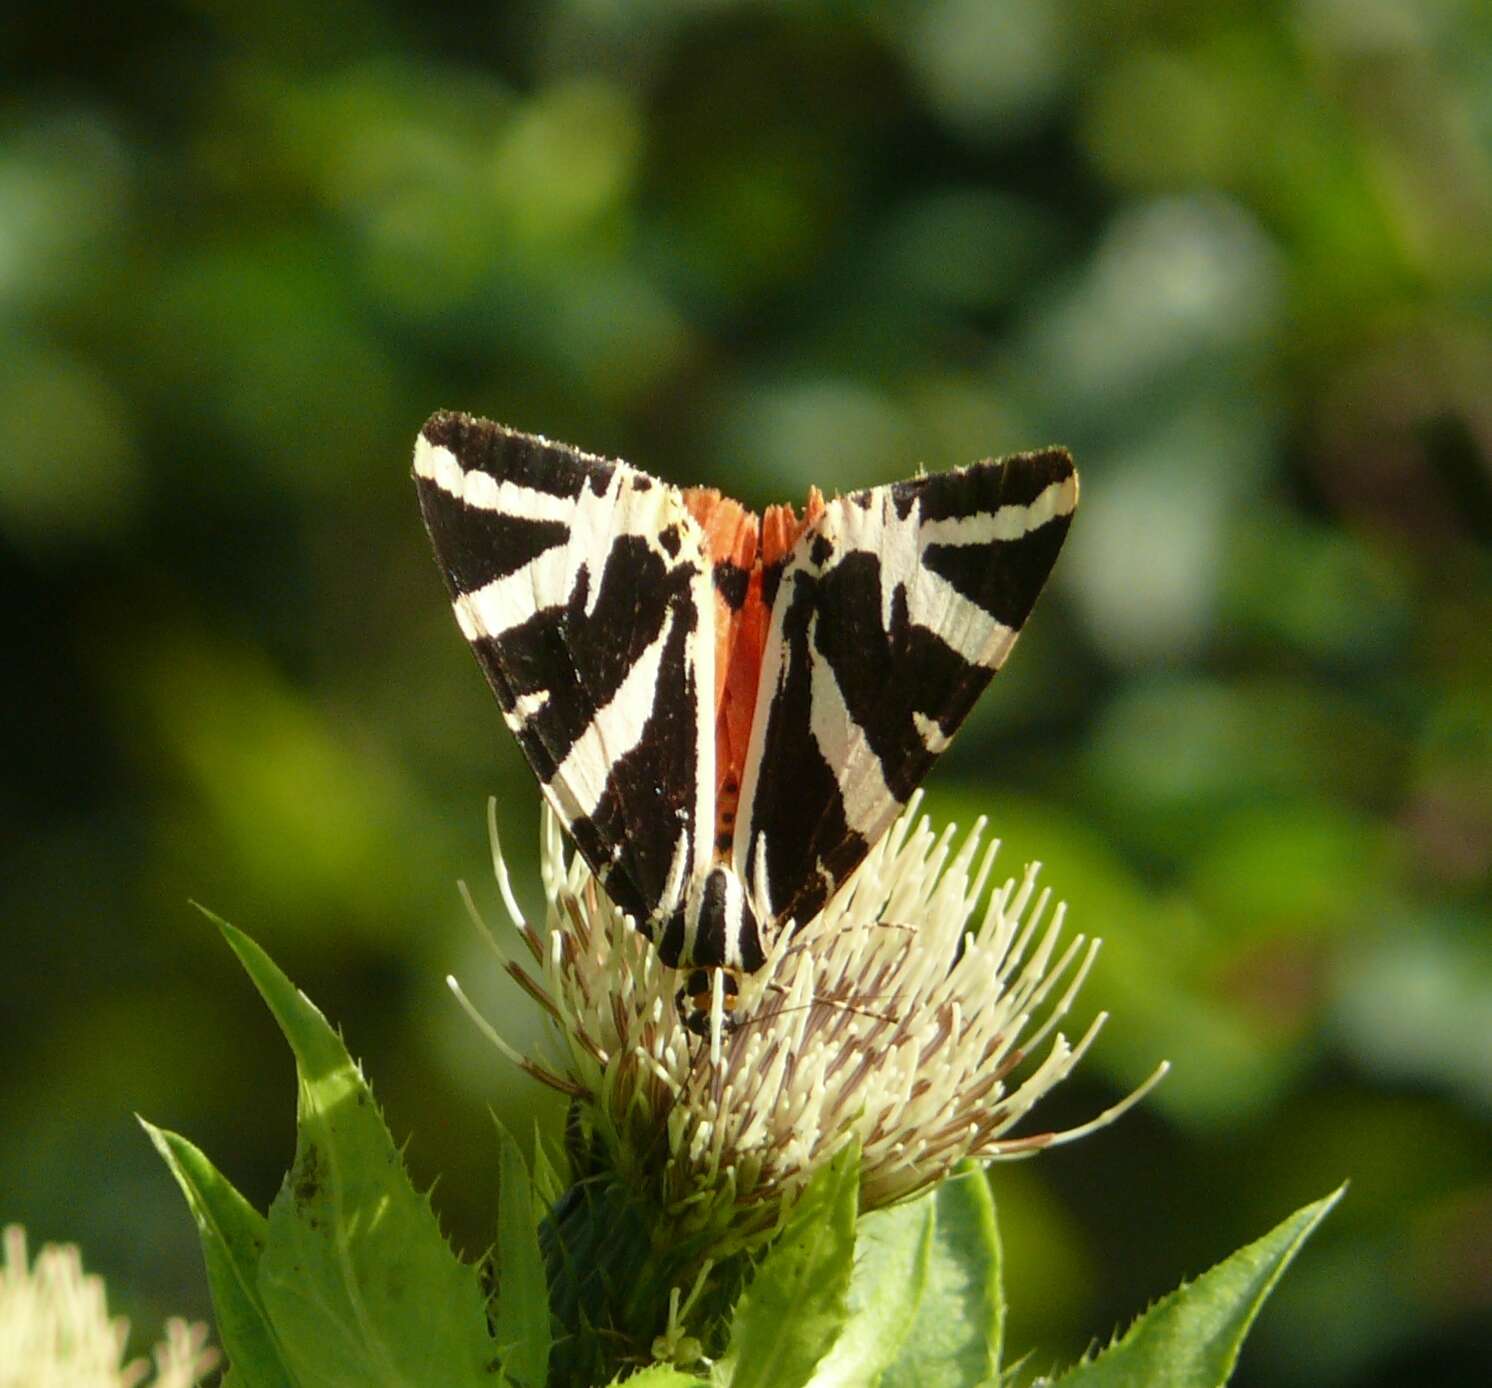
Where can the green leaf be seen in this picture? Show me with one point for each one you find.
(548, 1184)
(1191, 1338)
(358, 1282)
(794, 1309)
(658, 1376)
(522, 1303)
(892, 1249)
(954, 1341)
(233, 1235)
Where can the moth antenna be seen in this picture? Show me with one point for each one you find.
(838, 1003)
(846, 930)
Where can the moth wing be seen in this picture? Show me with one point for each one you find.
(583, 589)
(894, 611)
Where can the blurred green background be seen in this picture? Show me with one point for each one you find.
(1237, 256)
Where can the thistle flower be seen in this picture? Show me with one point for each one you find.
(55, 1329)
(893, 1019)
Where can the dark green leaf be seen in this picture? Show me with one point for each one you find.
(1191, 1338)
(233, 1235)
(795, 1306)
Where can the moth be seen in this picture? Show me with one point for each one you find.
(726, 711)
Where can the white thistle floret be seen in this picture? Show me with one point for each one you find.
(56, 1332)
(889, 1019)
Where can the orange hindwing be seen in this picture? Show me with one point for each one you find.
(744, 551)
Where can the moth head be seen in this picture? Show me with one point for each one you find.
(696, 998)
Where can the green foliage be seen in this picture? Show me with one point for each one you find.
(955, 1336)
(925, 1304)
(610, 1268)
(349, 1281)
(521, 1305)
(547, 1184)
(1191, 1338)
(795, 1306)
(233, 1236)
(659, 1376)
(892, 1251)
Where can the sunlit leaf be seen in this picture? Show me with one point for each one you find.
(892, 1249)
(355, 1275)
(795, 1307)
(955, 1340)
(233, 1236)
(1191, 1338)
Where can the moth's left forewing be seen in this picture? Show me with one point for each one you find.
(582, 585)
(895, 610)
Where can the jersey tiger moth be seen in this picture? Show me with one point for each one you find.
(725, 711)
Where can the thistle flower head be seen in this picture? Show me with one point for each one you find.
(897, 1019)
(56, 1332)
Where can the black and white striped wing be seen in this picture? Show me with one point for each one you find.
(894, 611)
(582, 585)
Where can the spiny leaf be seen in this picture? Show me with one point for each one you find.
(233, 1235)
(356, 1277)
(658, 1376)
(1191, 1338)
